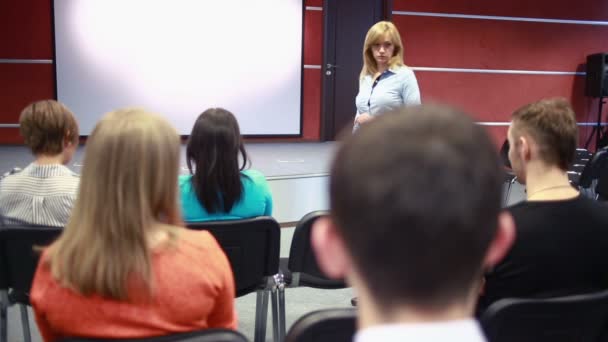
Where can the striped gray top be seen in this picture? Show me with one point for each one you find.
(39, 194)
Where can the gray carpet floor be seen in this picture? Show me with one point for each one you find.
(298, 301)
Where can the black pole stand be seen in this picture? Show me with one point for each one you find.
(597, 129)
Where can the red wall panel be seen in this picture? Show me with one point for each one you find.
(311, 105)
(21, 84)
(489, 44)
(316, 3)
(556, 9)
(493, 97)
(25, 29)
(313, 37)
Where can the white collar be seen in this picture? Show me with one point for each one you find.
(466, 330)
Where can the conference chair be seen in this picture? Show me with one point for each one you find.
(252, 247)
(330, 325)
(301, 268)
(509, 176)
(18, 262)
(597, 165)
(207, 335)
(571, 318)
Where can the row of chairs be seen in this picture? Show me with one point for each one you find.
(251, 245)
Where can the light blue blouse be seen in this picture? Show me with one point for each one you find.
(395, 87)
(256, 200)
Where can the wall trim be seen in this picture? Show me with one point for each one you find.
(25, 61)
(501, 71)
(501, 18)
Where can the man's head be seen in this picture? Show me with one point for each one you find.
(543, 131)
(415, 200)
(49, 128)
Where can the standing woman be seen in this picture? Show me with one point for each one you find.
(123, 267)
(218, 186)
(385, 82)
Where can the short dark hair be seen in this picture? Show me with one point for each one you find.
(44, 125)
(415, 195)
(552, 124)
(212, 156)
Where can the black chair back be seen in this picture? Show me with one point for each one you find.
(18, 259)
(593, 168)
(208, 335)
(251, 245)
(504, 154)
(302, 257)
(571, 318)
(335, 325)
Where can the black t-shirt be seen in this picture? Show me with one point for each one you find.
(561, 248)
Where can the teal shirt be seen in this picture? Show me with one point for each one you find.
(256, 200)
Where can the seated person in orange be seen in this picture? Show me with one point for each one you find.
(562, 236)
(44, 192)
(123, 267)
(217, 188)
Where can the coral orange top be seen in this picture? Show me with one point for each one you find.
(193, 290)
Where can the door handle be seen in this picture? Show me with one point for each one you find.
(330, 66)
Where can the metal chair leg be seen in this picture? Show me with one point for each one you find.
(261, 313)
(281, 292)
(25, 323)
(4, 304)
(276, 337)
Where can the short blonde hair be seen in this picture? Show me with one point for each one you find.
(45, 125)
(128, 184)
(374, 35)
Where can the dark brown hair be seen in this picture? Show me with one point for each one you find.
(415, 195)
(212, 155)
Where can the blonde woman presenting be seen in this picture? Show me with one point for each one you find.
(385, 82)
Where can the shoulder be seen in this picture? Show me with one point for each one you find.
(254, 175)
(184, 180)
(198, 243)
(404, 72)
(593, 209)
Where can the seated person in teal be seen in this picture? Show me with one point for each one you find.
(218, 188)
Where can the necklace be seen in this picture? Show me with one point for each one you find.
(549, 188)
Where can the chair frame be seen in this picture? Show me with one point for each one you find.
(300, 245)
(9, 279)
(268, 283)
(313, 319)
(493, 318)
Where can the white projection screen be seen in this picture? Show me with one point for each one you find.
(180, 57)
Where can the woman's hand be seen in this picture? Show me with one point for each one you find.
(363, 118)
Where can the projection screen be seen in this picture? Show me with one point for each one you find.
(178, 58)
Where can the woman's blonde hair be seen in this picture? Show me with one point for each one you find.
(375, 34)
(128, 184)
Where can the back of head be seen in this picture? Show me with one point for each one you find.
(212, 156)
(415, 195)
(46, 125)
(552, 125)
(128, 184)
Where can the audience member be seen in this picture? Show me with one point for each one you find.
(414, 219)
(218, 188)
(123, 268)
(44, 192)
(562, 237)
